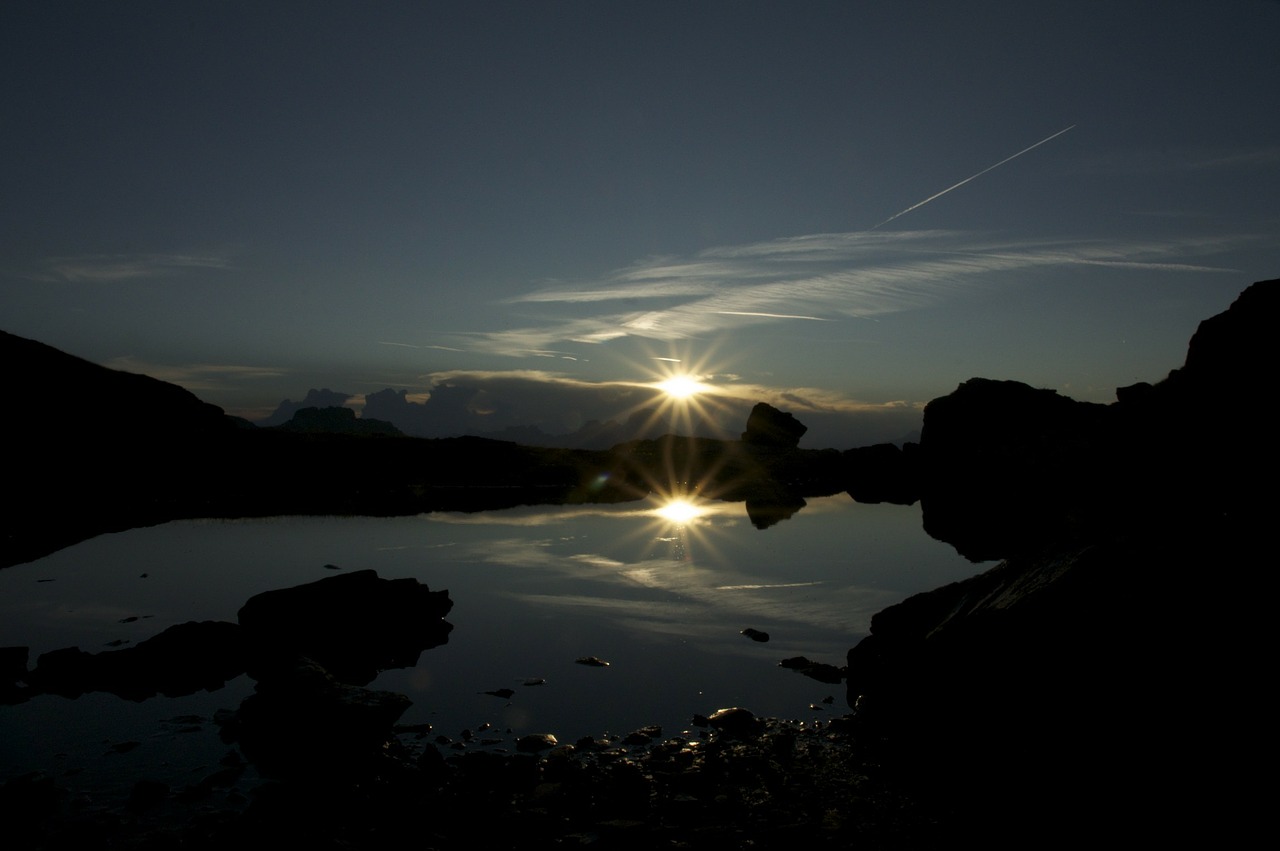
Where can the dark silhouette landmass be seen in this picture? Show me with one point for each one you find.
(111, 450)
(1080, 685)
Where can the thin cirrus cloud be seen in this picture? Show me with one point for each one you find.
(195, 377)
(116, 268)
(833, 276)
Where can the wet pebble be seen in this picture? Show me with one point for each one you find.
(534, 742)
(734, 721)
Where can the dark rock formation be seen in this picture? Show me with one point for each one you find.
(771, 428)
(770, 510)
(352, 624)
(1047, 689)
(1004, 465)
(1004, 468)
(883, 473)
(181, 660)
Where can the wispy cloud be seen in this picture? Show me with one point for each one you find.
(828, 276)
(198, 376)
(117, 268)
(774, 315)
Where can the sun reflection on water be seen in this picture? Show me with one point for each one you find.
(680, 510)
(681, 520)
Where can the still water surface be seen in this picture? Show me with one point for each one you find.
(660, 592)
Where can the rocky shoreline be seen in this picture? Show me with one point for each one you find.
(765, 783)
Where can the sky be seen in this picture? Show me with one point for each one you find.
(845, 209)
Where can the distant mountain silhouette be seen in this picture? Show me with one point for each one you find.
(314, 399)
(337, 421)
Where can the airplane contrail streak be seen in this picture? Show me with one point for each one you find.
(972, 177)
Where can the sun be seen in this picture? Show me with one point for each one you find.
(681, 386)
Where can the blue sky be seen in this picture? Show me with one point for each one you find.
(252, 199)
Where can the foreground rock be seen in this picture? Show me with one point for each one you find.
(1083, 682)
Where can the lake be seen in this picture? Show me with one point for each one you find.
(661, 592)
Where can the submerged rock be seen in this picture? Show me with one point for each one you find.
(819, 671)
(535, 742)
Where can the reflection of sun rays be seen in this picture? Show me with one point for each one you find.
(683, 523)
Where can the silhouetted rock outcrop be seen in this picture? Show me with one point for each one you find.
(1004, 465)
(769, 427)
(883, 473)
(1043, 690)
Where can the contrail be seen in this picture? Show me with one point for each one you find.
(979, 174)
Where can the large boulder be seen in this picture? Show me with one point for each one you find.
(769, 427)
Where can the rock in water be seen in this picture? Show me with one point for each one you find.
(767, 426)
(352, 624)
(535, 742)
(735, 722)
